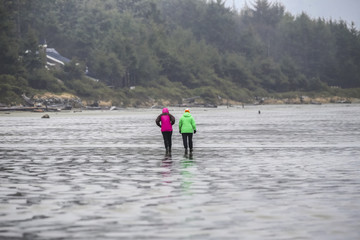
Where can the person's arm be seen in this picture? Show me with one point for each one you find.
(193, 124)
(172, 119)
(180, 124)
(158, 119)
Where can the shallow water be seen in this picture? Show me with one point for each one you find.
(291, 172)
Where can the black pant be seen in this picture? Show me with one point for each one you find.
(187, 138)
(167, 139)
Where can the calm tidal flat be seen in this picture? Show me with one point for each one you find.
(290, 172)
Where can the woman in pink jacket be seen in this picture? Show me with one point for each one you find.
(165, 121)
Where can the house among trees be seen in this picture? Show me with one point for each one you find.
(54, 59)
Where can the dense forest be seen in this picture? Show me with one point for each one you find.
(173, 49)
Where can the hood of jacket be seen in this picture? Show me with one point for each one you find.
(187, 114)
(165, 110)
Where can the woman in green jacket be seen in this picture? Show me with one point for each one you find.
(187, 127)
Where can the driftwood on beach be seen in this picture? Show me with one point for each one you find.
(21, 108)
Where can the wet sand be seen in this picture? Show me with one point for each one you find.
(291, 172)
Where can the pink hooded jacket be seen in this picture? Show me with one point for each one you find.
(165, 120)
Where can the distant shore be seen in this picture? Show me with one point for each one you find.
(309, 100)
(73, 103)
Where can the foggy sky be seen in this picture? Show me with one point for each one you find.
(346, 10)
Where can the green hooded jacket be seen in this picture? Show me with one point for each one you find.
(187, 123)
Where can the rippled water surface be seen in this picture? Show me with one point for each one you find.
(291, 172)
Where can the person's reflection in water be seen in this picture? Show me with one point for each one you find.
(166, 163)
(187, 176)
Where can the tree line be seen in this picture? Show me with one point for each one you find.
(173, 49)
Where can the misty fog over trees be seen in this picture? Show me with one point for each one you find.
(172, 49)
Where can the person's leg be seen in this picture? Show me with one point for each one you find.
(165, 139)
(190, 141)
(184, 137)
(170, 142)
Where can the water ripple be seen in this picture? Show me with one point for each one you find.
(291, 172)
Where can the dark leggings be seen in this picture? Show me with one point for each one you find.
(187, 138)
(167, 139)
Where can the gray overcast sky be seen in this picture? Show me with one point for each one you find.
(347, 10)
